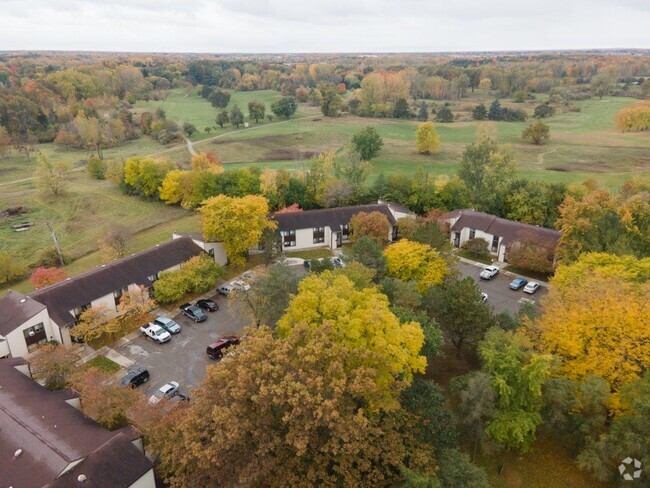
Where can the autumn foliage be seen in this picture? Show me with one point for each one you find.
(43, 276)
(634, 117)
(371, 224)
(237, 222)
(596, 318)
(290, 412)
(361, 319)
(413, 261)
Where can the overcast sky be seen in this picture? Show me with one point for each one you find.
(322, 25)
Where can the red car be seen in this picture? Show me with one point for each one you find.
(215, 350)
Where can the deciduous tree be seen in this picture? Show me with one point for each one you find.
(237, 222)
(596, 318)
(367, 143)
(311, 404)
(362, 320)
(537, 132)
(236, 116)
(51, 176)
(104, 402)
(374, 225)
(222, 118)
(285, 107)
(114, 242)
(517, 376)
(256, 110)
(54, 365)
(427, 139)
(93, 323)
(370, 254)
(458, 309)
(44, 276)
(408, 260)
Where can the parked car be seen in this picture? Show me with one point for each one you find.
(518, 283)
(193, 312)
(155, 332)
(135, 377)
(240, 285)
(489, 272)
(166, 391)
(531, 287)
(215, 350)
(209, 305)
(484, 297)
(225, 289)
(337, 262)
(168, 324)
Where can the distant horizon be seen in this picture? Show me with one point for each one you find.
(322, 26)
(347, 53)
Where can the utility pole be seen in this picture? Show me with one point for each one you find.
(56, 243)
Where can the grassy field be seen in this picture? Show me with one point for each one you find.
(183, 107)
(584, 145)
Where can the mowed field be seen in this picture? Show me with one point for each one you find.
(584, 145)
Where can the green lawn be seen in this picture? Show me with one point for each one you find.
(584, 145)
(104, 364)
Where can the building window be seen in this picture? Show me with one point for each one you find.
(495, 243)
(153, 277)
(289, 238)
(118, 294)
(35, 336)
(319, 234)
(472, 233)
(345, 231)
(79, 310)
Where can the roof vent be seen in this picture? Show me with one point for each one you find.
(23, 300)
(103, 265)
(81, 478)
(18, 452)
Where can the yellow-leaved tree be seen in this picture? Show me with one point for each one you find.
(362, 320)
(427, 139)
(237, 222)
(596, 318)
(414, 261)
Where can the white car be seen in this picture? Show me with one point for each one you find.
(489, 272)
(166, 391)
(337, 262)
(240, 285)
(531, 287)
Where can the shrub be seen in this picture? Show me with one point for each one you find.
(477, 247)
(96, 168)
(44, 276)
(196, 275)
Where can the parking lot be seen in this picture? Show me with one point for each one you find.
(499, 295)
(183, 357)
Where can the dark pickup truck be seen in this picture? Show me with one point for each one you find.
(193, 312)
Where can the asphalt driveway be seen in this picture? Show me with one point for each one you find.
(183, 358)
(499, 295)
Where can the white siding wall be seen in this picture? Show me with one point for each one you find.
(464, 237)
(16, 338)
(106, 300)
(147, 481)
(305, 240)
(4, 348)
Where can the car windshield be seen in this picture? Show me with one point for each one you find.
(160, 331)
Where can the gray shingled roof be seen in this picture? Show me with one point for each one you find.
(509, 230)
(116, 464)
(327, 217)
(16, 309)
(50, 432)
(79, 290)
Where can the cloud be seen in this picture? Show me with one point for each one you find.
(322, 25)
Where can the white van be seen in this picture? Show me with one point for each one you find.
(225, 289)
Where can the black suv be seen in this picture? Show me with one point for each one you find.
(135, 377)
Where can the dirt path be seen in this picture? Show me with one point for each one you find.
(540, 156)
(190, 146)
